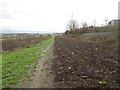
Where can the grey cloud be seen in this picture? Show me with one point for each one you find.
(6, 16)
(24, 12)
(4, 13)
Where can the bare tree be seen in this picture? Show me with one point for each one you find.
(94, 22)
(72, 24)
(106, 21)
(84, 24)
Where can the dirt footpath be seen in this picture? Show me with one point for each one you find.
(43, 76)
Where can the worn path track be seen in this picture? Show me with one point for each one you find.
(43, 76)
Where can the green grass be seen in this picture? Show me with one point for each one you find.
(2, 39)
(45, 87)
(15, 65)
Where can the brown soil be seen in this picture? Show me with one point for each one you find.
(80, 64)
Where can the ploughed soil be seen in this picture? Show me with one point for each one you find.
(82, 64)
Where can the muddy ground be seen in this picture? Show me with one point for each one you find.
(80, 64)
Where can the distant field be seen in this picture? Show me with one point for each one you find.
(2, 39)
(12, 44)
(17, 64)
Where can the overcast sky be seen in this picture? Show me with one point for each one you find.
(53, 15)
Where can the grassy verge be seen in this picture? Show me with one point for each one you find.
(0, 71)
(111, 39)
(16, 65)
(93, 30)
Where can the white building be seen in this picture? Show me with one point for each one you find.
(114, 22)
